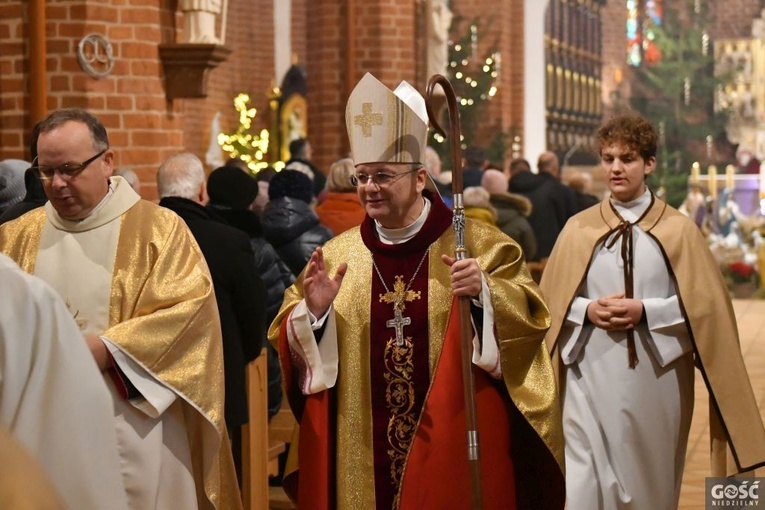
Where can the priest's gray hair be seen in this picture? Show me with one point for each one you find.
(181, 175)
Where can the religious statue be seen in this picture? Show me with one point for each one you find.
(214, 154)
(295, 125)
(728, 214)
(439, 19)
(199, 20)
(694, 204)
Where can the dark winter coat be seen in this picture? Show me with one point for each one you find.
(585, 200)
(275, 274)
(276, 277)
(293, 229)
(512, 211)
(35, 197)
(552, 204)
(239, 292)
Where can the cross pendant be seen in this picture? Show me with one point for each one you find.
(398, 322)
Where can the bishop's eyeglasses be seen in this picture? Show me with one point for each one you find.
(379, 179)
(67, 171)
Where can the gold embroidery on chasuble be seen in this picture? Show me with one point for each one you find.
(400, 399)
(399, 391)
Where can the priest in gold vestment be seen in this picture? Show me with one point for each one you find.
(139, 288)
(370, 356)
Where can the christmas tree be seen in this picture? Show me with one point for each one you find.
(242, 144)
(475, 81)
(675, 90)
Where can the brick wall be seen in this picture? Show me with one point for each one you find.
(12, 83)
(616, 72)
(326, 69)
(384, 31)
(130, 101)
(300, 30)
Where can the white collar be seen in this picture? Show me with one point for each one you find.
(119, 198)
(633, 209)
(402, 235)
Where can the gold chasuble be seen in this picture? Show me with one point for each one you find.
(391, 433)
(163, 315)
(709, 316)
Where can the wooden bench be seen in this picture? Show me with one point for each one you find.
(260, 454)
(280, 430)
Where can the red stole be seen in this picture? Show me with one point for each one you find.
(437, 474)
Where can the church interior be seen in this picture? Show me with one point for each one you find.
(242, 79)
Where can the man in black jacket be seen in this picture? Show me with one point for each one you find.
(239, 290)
(552, 202)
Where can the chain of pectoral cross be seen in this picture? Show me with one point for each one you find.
(399, 296)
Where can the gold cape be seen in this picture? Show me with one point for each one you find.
(163, 314)
(521, 320)
(708, 312)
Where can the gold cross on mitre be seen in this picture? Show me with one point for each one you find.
(367, 119)
(399, 295)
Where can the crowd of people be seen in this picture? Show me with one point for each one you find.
(128, 325)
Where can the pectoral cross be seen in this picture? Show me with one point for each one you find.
(398, 322)
(400, 295)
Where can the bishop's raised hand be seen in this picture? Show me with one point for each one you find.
(319, 289)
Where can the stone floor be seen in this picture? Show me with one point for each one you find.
(751, 326)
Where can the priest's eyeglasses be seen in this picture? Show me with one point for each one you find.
(379, 179)
(67, 171)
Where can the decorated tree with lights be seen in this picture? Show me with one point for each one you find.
(242, 144)
(675, 90)
(474, 80)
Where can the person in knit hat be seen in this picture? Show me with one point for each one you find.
(233, 195)
(292, 184)
(300, 160)
(231, 187)
(12, 188)
(290, 223)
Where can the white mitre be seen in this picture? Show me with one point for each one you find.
(385, 126)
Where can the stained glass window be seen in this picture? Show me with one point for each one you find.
(634, 35)
(642, 18)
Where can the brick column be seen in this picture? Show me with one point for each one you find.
(13, 102)
(384, 32)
